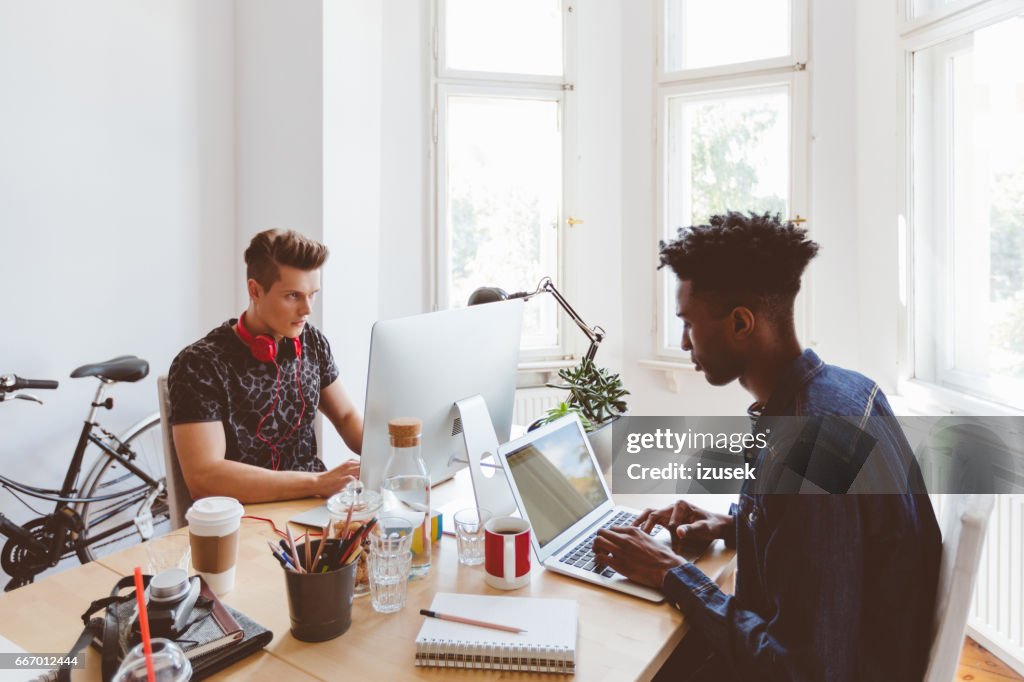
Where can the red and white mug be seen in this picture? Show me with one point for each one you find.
(507, 553)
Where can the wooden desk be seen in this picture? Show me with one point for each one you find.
(620, 637)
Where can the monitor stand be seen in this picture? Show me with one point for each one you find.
(490, 486)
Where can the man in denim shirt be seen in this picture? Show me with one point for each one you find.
(830, 587)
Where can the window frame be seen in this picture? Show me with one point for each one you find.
(790, 71)
(953, 389)
(444, 73)
(446, 81)
(799, 40)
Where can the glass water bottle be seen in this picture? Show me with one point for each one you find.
(406, 487)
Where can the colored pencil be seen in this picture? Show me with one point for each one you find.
(295, 553)
(356, 541)
(348, 520)
(320, 549)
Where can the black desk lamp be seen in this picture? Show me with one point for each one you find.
(493, 294)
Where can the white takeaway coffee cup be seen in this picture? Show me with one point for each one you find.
(213, 529)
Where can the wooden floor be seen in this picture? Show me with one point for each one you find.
(978, 665)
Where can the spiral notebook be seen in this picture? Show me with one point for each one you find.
(548, 645)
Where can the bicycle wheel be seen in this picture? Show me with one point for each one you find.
(110, 525)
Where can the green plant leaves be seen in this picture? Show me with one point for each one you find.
(595, 394)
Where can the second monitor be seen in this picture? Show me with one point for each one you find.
(420, 366)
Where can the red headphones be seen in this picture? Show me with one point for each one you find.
(262, 346)
(264, 349)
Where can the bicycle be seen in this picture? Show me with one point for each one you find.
(123, 496)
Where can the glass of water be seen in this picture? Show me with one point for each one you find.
(469, 533)
(389, 578)
(391, 535)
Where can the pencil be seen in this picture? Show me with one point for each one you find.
(470, 621)
(320, 548)
(356, 541)
(348, 519)
(295, 553)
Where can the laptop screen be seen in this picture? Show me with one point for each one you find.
(557, 481)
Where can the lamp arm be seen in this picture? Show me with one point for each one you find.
(595, 334)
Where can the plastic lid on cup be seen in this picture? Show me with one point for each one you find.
(169, 663)
(214, 510)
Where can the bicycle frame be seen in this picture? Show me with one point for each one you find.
(66, 499)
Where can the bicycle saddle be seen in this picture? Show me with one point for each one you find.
(122, 368)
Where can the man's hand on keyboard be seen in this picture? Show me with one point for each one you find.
(635, 554)
(690, 526)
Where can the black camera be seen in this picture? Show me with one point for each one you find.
(170, 598)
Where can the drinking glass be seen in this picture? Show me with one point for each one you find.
(389, 579)
(391, 535)
(169, 551)
(469, 534)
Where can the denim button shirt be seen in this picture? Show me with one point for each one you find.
(829, 586)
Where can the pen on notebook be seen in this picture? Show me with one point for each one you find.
(470, 621)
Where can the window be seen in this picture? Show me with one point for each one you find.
(732, 128)
(501, 92)
(967, 215)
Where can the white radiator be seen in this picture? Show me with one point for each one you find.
(532, 403)
(996, 620)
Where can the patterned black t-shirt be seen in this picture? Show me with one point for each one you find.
(217, 379)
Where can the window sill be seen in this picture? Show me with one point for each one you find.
(535, 373)
(916, 397)
(546, 365)
(671, 369)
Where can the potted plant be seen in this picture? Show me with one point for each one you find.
(598, 398)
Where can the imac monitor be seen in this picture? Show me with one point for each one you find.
(421, 365)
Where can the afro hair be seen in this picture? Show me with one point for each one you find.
(754, 260)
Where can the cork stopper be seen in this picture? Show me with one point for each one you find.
(405, 431)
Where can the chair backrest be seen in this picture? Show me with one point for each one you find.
(964, 520)
(178, 497)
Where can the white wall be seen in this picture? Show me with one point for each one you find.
(278, 103)
(880, 163)
(116, 205)
(594, 246)
(405, 160)
(352, 195)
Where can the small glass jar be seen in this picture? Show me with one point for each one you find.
(365, 505)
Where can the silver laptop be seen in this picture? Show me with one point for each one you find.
(560, 491)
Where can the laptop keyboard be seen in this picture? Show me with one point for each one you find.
(582, 555)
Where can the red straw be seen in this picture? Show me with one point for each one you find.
(140, 597)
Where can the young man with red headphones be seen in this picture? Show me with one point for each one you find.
(244, 397)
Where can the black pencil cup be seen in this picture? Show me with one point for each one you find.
(320, 604)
